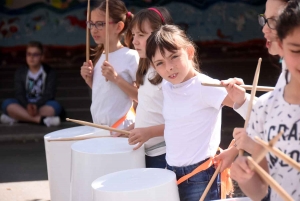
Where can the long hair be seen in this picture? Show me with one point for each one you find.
(156, 16)
(119, 13)
(170, 38)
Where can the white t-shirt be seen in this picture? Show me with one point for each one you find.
(109, 102)
(269, 116)
(242, 110)
(149, 111)
(192, 115)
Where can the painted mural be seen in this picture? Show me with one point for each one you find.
(62, 22)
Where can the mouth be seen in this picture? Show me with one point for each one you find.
(268, 43)
(173, 76)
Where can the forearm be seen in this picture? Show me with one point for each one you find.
(89, 82)
(242, 109)
(256, 189)
(128, 88)
(156, 131)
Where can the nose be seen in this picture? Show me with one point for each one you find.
(169, 66)
(266, 29)
(135, 41)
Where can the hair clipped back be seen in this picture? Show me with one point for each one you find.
(289, 19)
(169, 38)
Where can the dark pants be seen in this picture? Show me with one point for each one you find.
(193, 188)
(156, 161)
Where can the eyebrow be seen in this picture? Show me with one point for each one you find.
(165, 57)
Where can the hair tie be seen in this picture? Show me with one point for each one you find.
(159, 13)
(128, 14)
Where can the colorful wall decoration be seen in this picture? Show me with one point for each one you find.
(62, 22)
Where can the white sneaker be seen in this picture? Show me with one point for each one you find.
(52, 121)
(5, 119)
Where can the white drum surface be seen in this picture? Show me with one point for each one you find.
(94, 158)
(236, 199)
(58, 156)
(143, 184)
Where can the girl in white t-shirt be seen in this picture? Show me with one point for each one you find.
(279, 111)
(113, 82)
(149, 125)
(192, 112)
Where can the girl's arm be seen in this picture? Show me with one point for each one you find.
(141, 135)
(111, 75)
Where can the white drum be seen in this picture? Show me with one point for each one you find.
(143, 184)
(94, 158)
(58, 156)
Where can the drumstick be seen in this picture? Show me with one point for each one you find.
(255, 81)
(106, 32)
(269, 180)
(247, 87)
(78, 138)
(271, 144)
(85, 123)
(278, 153)
(210, 182)
(87, 51)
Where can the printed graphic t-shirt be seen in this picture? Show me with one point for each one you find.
(35, 85)
(269, 116)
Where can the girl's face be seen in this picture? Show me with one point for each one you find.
(273, 8)
(290, 50)
(98, 19)
(140, 38)
(175, 67)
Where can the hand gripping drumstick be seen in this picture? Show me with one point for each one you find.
(246, 87)
(93, 125)
(255, 81)
(269, 180)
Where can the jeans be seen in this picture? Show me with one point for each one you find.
(193, 188)
(52, 103)
(156, 161)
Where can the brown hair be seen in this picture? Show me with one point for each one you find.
(36, 44)
(118, 12)
(156, 21)
(169, 38)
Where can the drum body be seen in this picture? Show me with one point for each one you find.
(58, 156)
(94, 158)
(146, 184)
(236, 199)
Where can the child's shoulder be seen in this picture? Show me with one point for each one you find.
(205, 78)
(128, 51)
(268, 100)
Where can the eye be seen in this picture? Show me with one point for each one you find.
(99, 24)
(158, 64)
(174, 56)
(295, 51)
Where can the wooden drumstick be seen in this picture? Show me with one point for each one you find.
(269, 180)
(278, 153)
(253, 91)
(85, 123)
(211, 182)
(271, 144)
(246, 87)
(87, 50)
(106, 32)
(78, 138)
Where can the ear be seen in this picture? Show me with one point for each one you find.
(280, 47)
(120, 27)
(191, 52)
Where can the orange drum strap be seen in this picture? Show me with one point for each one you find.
(226, 183)
(118, 123)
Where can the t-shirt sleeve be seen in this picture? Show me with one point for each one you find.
(133, 64)
(213, 96)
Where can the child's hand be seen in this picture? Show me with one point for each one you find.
(32, 109)
(109, 72)
(87, 70)
(227, 157)
(235, 92)
(240, 170)
(242, 140)
(138, 136)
